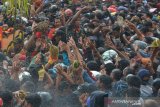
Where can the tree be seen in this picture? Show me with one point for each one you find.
(17, 7)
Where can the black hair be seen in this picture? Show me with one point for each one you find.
(156, 83)
(133, 92)
(109, 67)
(99, 15)
(106, 80)
(134, 81)
(117, 74)
(149, 15)
(97, 99)
(129, 71)
(60, 57)
(11, 85)
(92, 65)
(116, 27)
(34, 72)
(34, 100)
(149, 40)
(144, 29)
(123, 63)
(7, 98)
(29, 86)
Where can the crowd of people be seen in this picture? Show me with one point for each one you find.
(82, 53)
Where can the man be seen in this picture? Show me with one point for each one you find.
(119, 86)
(32, 100)
(104, 83)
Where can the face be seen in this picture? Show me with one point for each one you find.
(38, 59)
(10, 70)
(57, 23)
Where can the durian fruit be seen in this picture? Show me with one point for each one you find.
(22, 94)
(155, 43)
(54, 51)
(42, 26)
(41, 74)
(76, 64)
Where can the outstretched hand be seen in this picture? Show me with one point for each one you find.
(109, 43)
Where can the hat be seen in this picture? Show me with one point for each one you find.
(141, 44)
(156, 83)
(122, 8)
(152, 10)
(24, 75)
(109, 55)
(68, 12)
(143, 73)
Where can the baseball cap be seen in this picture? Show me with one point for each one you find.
(68, 12)
(143, 73)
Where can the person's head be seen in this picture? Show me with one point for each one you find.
(57, 23)
(116, 29)
(144, 76)
(122, 64)
(11, 85)
(32, 100)
(93, 66)
(28, 86)
(133, 81)
(133, 93)
(59, 35)
(68, 12)
(46, 98)
(150, 103)
(39, 58)
(104, 82)
(116, 74)
(109, 67)
(156, 86)
(96, 99)
(148, 15)
(127, 71)
(7, 98)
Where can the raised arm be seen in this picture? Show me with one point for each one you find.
(77, 15)
(133, 27)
